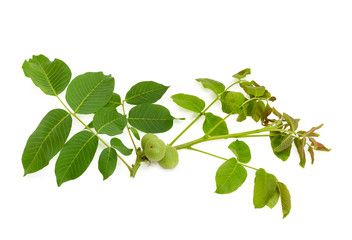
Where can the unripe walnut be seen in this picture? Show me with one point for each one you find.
(170, 160)
(147, 137)
(154, 149)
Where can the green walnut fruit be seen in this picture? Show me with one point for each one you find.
(154, 149)
(146, 138)
(170, 160)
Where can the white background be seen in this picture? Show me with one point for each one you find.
(300, 50)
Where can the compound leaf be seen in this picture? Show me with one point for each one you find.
(230, 176)
(46, 141)
(89, 92)
(264, 188)
(117, 144)
(241, 150)
(215, 86)
(145, 92)
(107, 162)
(108, 121)
(75, 156)
(189, 102)
(211, 121)
(51, 77)
(150, 118)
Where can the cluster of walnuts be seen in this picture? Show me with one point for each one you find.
(156, 150)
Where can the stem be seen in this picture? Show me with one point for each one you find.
(213, 155)
(128, 127)
(74, 114)
(233, 135)
(202, 113)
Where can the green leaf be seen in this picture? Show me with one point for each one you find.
(89, 92)
(114, 101)
(90, 125)
(276, 140)
(264, 188)
(285, 199)
(108, 121)
(75, 156)
(135, 133)
(51, 77)
(189, 102)
(291, 121)
(231, 102)
(258, 110)
(46, 141)
(286, 142)
(230, 176)
(242, 74)
(215, 86)
(211, 121)
(118, 145)
(274, 199)
(150, 118)
(145, 92)
(300, 143)
(107, 162)
(255, 91)
(241, 150)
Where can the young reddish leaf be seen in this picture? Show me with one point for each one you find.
(311, 152)
(267, 111)
(318, 146)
